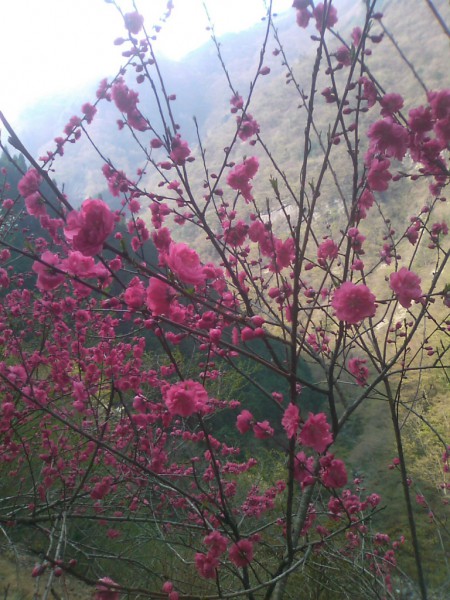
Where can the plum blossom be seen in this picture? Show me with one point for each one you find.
(180, 150)
(304, 469)
(133, 22)
(244, 421)
(328, 250)
(379, 176)
(327, 18)
(89, 227)
(353, 302)
(333, 474)
(247, 127)
(159, 296)
(388, 138)
(316, 432)
(406, 284)
(241, 553)
(206, 565)
(262, 430)
(291, 420)
(106, 589)
(185, 398)
(239, 177)
(391, 103)
(134, 295)
(357, 368)
(185, 263)
(48, 278)
(30, 182)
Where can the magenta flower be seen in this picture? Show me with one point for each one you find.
(106, 589)
(304, 469)
(379, 176)
(358, 370)
(262, 430)
(135, 294)
(48, 279)
(185, 263)
(133, 22)
(353, 303)
(89, 227)
(241, 553)
(159, 297)
(291, 420)
(180, 150)
(239, 178)
(185, 398)
(388, 138)
(391, 103)
(316, 433)
(327, 18)
(328, 250)
(30, 182)
(406, 285)
(206, 565)
(334, 474)
(244, 421)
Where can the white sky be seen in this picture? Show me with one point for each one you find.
(50, 47)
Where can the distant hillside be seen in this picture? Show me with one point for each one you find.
(202, 91)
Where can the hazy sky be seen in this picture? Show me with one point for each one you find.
(50, 47)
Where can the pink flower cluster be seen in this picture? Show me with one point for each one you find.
(353, 303)
(406, 286)
(186, 398)
(185, 263)
(239, 177)
(88, 228)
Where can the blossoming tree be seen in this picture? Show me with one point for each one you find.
(125, 349)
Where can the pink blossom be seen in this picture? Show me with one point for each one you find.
(440, 104)
(206, 565)
(388, 138)
(334, 474)
(185, 398)
(48, 279)
(216, 542)
(291, 420)
(133, 22)
(316, 433)
(88, 228)
(353, 302)
(159, 296)
(134, 294)
(391, 103)
(343, 56)
(239, 177)
(358, 370)
(406, 284)
(106, 589)
(304, 469)
(328, 250)
(185, 263)
(35, 205)
(30, 182)
(180, 150)
(378, 176)
(369, 91)
(237, 103)
(244, 421)
(262, 430)
(247, 127)
(303, 16)
(327, 18)
(241, 553)
(420, 120)
(365, 202)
